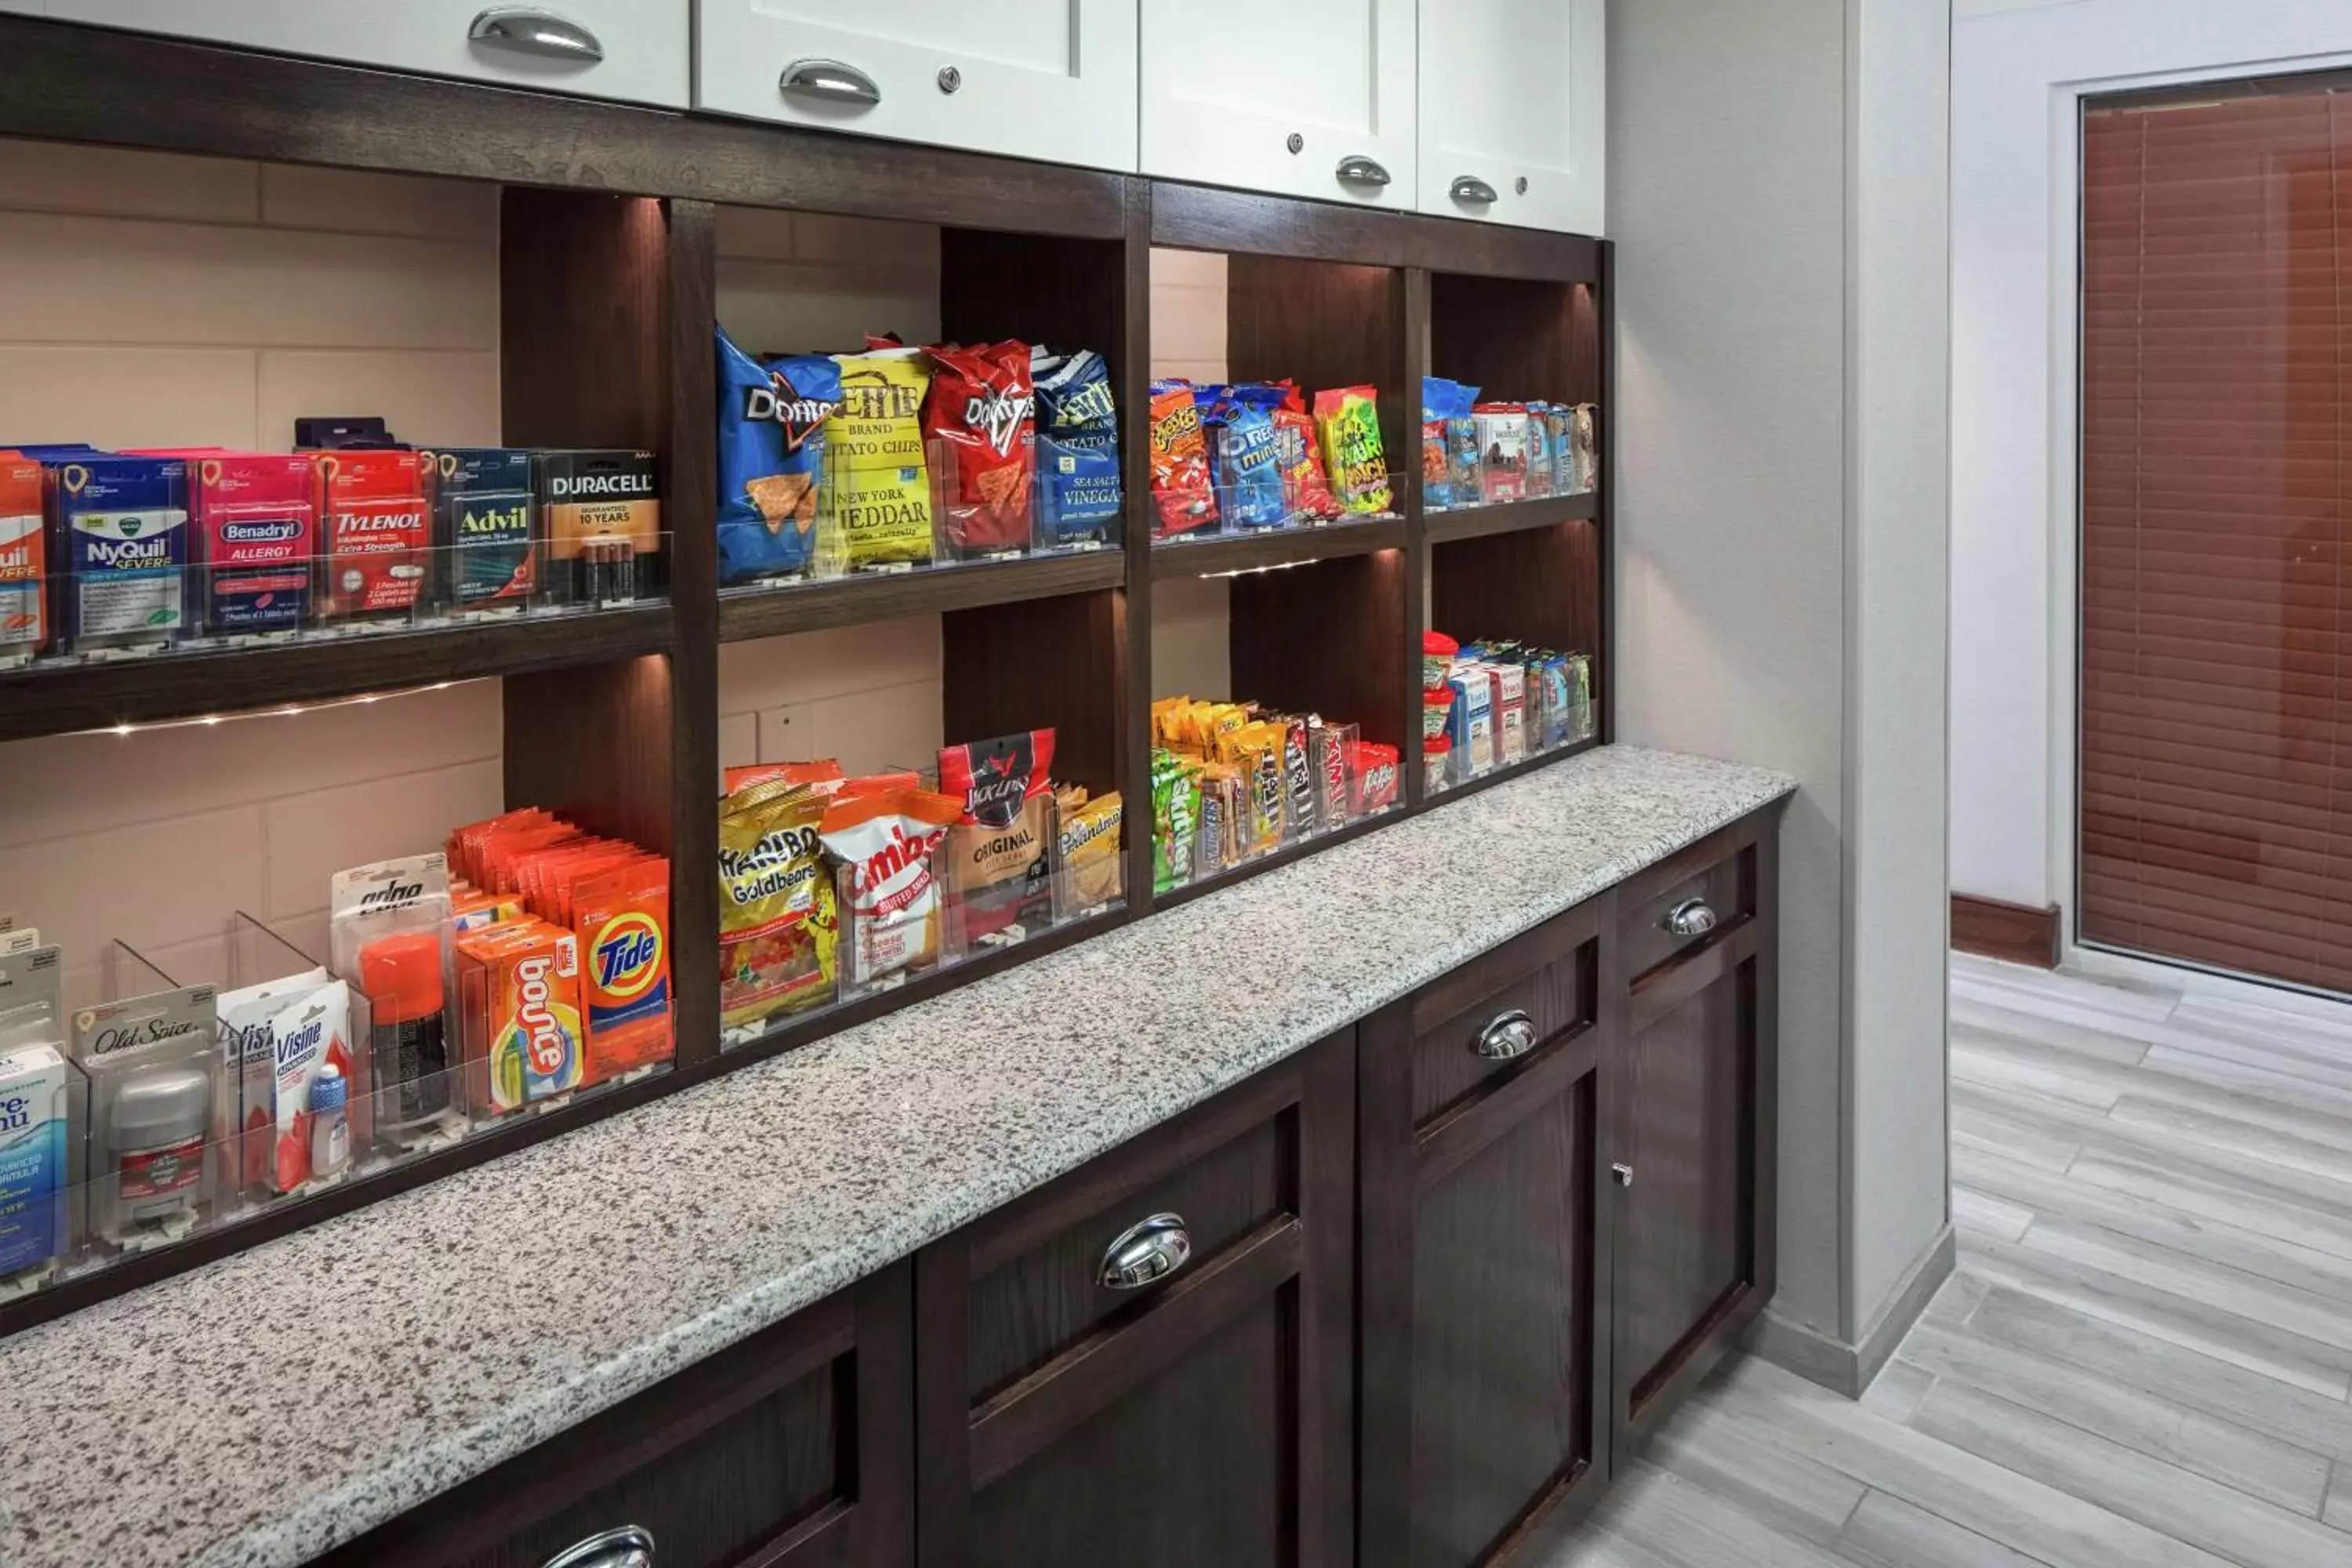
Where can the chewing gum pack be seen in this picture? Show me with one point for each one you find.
(24, 561)
(485, 528)
(375, 535)
(519, 1028)
(122, 526)
(256, 533)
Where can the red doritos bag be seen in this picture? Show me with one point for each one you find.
(980, 420)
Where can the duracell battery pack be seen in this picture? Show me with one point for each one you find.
(600, 513)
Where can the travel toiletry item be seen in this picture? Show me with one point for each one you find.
(24, 561)
(387, 931)
(256, 534)
(601, 511)
(41, 1113)
(122, 532)
(309, 1033)
(519, 1034)
(375, 536)
(245, 1019)
(485, 528)
(772, 453)
(330, 1128)
(153, 1065)
(1079, 490)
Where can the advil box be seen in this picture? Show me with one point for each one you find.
(24, 561)
(622, 917)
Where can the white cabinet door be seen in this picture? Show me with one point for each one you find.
(1513, 111)
(633, 49)
(1310, 98)
(1051, 79)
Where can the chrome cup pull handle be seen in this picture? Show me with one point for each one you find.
(1512, 1034)
(1690, 918)
(631, 1546)
(1471, 189)
(1358, 170)
(1142, 1253)
(527, 30)
(830, 79)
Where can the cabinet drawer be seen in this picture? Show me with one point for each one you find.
(1488, 1016)
(1514, 111)
(632, 49)
(1683, 903)
(792, 1448)
(1049, 79)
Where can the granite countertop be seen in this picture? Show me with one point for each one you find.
(273, 1404)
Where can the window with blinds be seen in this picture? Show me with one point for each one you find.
(2216, 806)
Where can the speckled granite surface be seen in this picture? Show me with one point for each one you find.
(275, 1404)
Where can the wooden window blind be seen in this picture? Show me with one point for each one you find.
(2216, 807)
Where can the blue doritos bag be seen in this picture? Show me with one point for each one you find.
(770, 460)
(1077, 450)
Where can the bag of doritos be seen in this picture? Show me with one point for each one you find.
(1182, 500)
(979, 419)
(1077, 450)
(881, 485)
(771, 425)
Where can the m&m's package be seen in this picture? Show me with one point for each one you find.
(1183, 500)
(123, 525)
(1350, 420)
(1078, 490)
(979, 422)
(882, 486)
(375, 535)
(772, 420)
(24, 561)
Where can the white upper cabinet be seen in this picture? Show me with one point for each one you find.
(1513, 111)
(1310, 98)
(1052, 80)
(632, 49)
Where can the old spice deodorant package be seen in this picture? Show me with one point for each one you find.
(375, 536)
(485, 528)
(622, 917)
(23, 561)
(519, 1032)
(387, 933)
(257, 533)
(122, 532)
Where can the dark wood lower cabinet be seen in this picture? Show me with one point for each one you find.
(1484, 1418)
(1197, 1412)
(1692, 1143)
(790, 1450)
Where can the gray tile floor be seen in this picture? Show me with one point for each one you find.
(2144, 1358)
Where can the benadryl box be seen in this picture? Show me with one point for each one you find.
(33, 1101)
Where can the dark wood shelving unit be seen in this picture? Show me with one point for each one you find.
(1510, 517)
(608, 254)
(1231, 554)
(61, 698)
(747, 613)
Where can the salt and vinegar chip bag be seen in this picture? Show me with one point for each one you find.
(1077, 450)
(980, 419)
(888, 840)
(881, 486)
(778, 923)
(1349, 419)
(772, 423)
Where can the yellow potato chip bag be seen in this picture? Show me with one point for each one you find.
(882, 487)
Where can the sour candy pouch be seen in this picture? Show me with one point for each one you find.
(778, 924)
(1077, 450)
(24, 560)
(1247, 458)
(980, 421)
(882, 487)
(771, 425)
(888, 841)
(1182, 498)
(1350, 420)
(375, 535)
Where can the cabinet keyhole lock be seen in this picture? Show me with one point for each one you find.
(951, 78)
(1520, 185)
(1622, 1174)
(1295, 143)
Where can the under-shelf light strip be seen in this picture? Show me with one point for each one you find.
(1256, 571)
(284, 711)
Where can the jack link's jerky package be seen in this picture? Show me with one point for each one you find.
(881, 486)
(1349, 418)
(979, 422)
(1077, 450)
(999, 856)
(887, 841)
(1182, 500)
(777, 922)
(771, 425)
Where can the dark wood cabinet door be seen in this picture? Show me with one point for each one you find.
(1691, 1149)
(1199, 1415)
(795, 1449)
(1483, 1416)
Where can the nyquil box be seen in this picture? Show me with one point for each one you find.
(39, 1089)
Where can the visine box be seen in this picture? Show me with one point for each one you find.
(35, 1087)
